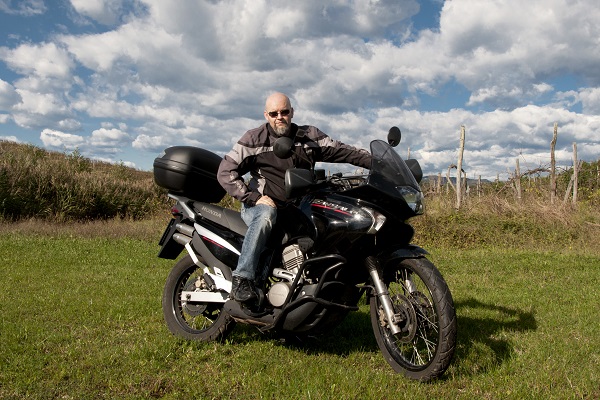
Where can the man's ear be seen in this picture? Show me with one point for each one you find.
(291, 112)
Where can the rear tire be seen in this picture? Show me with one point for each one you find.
(197, 321)
(424, 348)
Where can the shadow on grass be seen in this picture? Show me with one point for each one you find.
(484, 334)
(483, 343)
(353, 334)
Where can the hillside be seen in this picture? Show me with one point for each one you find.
(36, 183)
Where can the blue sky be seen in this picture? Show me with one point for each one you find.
(119, 80)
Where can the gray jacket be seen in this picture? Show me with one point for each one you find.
(253, 153)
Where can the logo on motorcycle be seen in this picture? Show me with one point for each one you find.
(327, 205)
(212, 212)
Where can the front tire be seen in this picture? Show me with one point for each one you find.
(197, 321)
(425, 346)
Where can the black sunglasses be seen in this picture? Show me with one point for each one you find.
(284, 113)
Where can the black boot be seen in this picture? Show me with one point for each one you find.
(243, 290)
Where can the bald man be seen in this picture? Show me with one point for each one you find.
(265, 192)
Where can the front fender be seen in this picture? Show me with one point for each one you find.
(410, 251)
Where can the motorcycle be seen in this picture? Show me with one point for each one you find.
(340, 239)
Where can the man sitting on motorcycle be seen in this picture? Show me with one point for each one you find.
(265, 191)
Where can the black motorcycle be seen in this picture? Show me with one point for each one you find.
(339, 239)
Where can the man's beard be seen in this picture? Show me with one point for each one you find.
(281, 129)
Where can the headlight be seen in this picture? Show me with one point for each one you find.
(412, 197)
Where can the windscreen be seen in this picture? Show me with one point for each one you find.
(388, 169)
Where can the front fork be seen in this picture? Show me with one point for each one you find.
(382, 293)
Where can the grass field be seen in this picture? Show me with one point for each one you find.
(80, 318)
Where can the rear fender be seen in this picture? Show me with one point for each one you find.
(170, 249)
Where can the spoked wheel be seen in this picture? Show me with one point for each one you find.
(195, 321)
(423, 303)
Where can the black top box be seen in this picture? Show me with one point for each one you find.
(190, 172)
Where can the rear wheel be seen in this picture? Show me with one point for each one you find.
(422, 301)
(194, 321)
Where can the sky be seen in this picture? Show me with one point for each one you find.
(121, 80)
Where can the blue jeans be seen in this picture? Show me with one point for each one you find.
(260, 220)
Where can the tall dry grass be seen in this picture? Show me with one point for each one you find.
(495, 220)
(39, 188)
(35, 183)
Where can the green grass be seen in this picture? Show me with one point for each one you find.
(80, 318)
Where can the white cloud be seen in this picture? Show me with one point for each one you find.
(103, 11)
(23, 7)
(113, 161)
(46, 60)
(590, 100)
(222, 55)
(39, 110)
(10, 139)
(60, 140)
(8, 96)
(109, 140)
(150, 143)
(107, 12)
(198, 72)
(502, 46)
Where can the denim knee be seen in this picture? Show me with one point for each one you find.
(261, 216)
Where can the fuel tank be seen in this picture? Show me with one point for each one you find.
(336, 217)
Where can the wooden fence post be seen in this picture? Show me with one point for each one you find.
(465, 188)
(553, 165)
(449, 183)
(575, 173)
(459, 168)
(518, 181)
(569, 190)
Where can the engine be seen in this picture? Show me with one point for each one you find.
(292, 258)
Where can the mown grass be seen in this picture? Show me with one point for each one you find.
(81, 318)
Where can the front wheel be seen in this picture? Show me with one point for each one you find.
(422, 302)
(194, 321)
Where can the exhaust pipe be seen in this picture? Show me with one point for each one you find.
(182, 239)
(185, 229)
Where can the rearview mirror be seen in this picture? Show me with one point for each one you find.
(283, 147)
(298, 181)
(394, 136)
(415, 169)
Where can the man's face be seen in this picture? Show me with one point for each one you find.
(279, 113)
